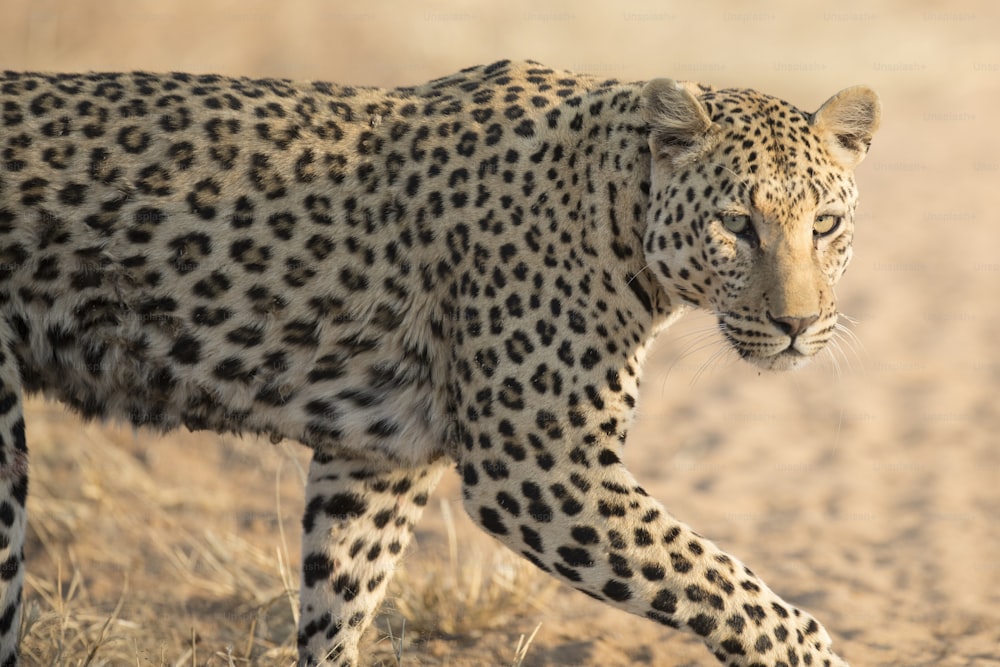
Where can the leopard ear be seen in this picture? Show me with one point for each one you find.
(847, 122)
(678, 123)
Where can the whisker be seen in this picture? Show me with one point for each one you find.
(847, 362)
(845, 344)
(637, 274)
(700, 331)
(833, 360)
(833, 348)
(744, 180)
(850, 319)
(695, 347)
(705, 332)
(853, 342)
(716, 356)
(849, 333)
(709, 337)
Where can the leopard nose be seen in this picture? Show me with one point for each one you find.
(792, 326)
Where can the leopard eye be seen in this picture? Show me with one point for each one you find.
(826, 224)
(737, 223)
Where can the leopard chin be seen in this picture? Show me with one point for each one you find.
(788, 360)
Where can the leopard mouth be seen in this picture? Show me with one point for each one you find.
(786, 360)
(767, 353)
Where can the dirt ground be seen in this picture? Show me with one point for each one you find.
(866, 489)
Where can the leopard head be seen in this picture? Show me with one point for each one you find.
(752, 210)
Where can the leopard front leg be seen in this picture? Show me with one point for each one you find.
(13, 494)
(578, 514)
(358, 520)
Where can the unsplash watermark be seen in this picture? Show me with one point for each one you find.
(898, 267)
(848, 16)
(950, 216)
(948, 16)
(949, 116)
(450, 17)
(899, 166)
(799, 67)
(899, 67)
(897, 466)
(648, 17)
(897, 366)
(747, 17)
(550, 17)
(700, 67)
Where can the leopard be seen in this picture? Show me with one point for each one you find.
(464, 274)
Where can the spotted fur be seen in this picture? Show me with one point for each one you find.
(464, 273)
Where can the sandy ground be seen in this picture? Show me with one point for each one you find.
(866, 490)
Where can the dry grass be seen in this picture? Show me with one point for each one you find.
(461, 597)
(469, 594)
(61, 628)
(152, 551)
(182, 595)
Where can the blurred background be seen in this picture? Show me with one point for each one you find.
(865, 488)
